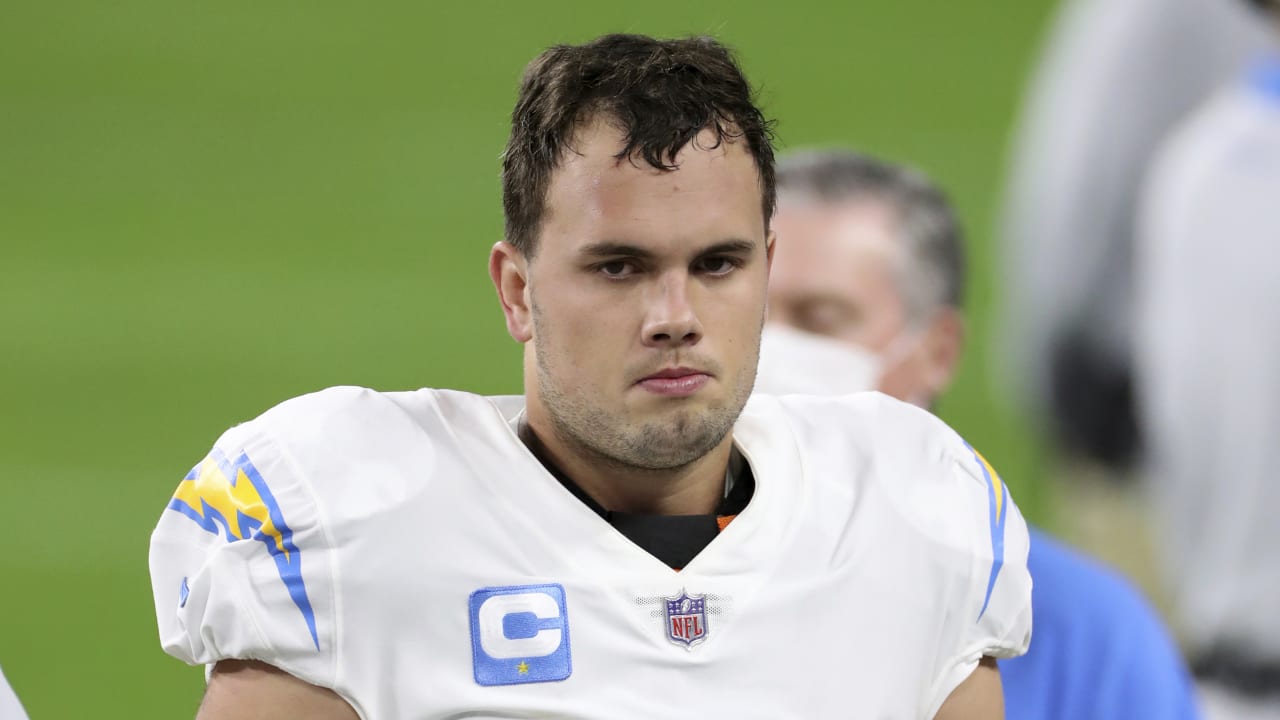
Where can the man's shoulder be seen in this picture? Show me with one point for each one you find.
(870, 447)
(892, 475)
(871, 427)
(317, 410)
(869, 407)
(352, 416)
(243, 554)
(345, 445)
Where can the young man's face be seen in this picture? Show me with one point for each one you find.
(647, 291)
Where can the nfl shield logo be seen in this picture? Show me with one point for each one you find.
(687, 619)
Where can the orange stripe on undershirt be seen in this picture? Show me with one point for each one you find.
(724, 520)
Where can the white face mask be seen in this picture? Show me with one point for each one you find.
(796, 362)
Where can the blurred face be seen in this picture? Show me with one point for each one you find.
(837, 273)
(647, 296)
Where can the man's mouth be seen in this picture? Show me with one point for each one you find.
(675, 382)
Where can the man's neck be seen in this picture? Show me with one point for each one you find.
(693, 489)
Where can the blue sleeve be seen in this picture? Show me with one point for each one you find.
(1099, 650)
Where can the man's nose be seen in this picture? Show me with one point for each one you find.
(671, 320)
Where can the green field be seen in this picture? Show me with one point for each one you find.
(207, 208)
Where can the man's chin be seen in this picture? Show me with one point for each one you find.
(664, 412)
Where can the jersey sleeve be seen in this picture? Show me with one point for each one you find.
(240, 565)
(991, 600)
(10, 707)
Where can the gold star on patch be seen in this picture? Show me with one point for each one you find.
(523, 668)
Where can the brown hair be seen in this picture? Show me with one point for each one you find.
(660, 93)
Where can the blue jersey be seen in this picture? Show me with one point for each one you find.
(1099, 651)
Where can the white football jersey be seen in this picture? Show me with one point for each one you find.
(408, 551)
(10, 708)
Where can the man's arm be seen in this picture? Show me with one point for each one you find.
(251, 690)
(979, 697)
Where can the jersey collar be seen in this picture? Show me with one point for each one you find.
(515, 477)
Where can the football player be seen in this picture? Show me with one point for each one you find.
(632, 538)
(866, 292)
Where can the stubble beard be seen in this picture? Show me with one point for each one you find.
(671, 442)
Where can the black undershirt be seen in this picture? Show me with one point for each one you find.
(673, 539)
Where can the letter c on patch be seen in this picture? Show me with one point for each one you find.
(520, 634)
(494, 613)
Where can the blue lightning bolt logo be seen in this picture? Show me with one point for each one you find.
(998, 500)
(231, 499)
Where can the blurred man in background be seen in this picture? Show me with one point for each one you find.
(1116, 76)
(866, 292)
(1208, 362)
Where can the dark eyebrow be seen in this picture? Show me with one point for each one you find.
(730, 247)
(617, 249)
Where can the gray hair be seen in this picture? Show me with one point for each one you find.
(930, 233)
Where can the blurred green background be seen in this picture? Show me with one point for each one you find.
(206, 208)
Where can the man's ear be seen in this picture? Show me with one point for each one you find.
(770, 242)
(944, 345)
(509, 271)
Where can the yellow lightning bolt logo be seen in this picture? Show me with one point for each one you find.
(230, 498)
(227, 501)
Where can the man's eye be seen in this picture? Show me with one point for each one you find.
(827, 320)
(718, 265)
(616, 268)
